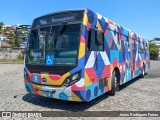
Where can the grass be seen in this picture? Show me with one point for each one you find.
(5, 61)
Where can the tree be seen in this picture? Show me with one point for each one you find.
(1, 25)
(12, 42)
(154, 50)
(157, 38)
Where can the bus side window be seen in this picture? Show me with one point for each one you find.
(92, 40)
(100, 40)
(139, 46)
(127, 41)
(134, 43)
(146, 46)
(126, 38)
(89, 39)
(143, 47)
(118, 37)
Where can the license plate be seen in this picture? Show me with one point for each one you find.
(46, 93)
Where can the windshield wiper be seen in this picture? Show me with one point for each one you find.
(58, 32)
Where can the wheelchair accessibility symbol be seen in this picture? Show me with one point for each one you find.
(49, 59)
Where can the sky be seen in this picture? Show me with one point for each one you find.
(140, 16)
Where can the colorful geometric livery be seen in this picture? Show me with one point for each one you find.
(120, 49)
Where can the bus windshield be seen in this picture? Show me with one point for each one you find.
(54, 45)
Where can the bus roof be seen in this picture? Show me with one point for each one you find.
(60, 12)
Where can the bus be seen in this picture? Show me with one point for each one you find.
(78, 55)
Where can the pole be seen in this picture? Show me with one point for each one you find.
(16, 40)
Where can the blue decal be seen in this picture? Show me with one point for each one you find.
(63, 96)
(49, 59)
(35, 78)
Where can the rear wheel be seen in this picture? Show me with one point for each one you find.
(114, 84)
(143, 72)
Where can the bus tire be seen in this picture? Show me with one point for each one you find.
(143, 72)
(113, 84)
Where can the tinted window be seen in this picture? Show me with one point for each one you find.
(95, 40)
(100, 40)
(92, 40)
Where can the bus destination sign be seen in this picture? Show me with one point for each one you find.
(53, 19)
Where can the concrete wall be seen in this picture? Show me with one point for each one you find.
(10, 53)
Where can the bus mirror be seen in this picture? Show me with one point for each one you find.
(99, 38)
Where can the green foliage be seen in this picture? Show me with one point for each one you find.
(157, 39)
(12, 42)
(19, 42)
(154, 50)
(1, 25)
(20, 57)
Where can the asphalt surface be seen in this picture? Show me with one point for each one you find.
(141, 94)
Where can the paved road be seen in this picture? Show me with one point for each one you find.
(140, 94)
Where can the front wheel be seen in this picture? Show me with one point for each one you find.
(114, 81)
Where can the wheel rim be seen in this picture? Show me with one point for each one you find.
(115, 79)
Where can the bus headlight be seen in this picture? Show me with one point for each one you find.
(72, 79)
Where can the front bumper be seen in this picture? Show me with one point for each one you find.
(62, 93)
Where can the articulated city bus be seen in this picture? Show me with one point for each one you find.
(78, 55)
